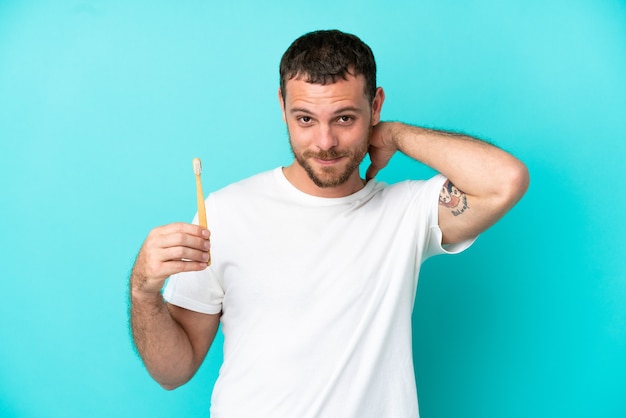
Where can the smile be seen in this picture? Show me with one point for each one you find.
(331, 161)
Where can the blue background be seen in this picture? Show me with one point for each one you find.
(103, 105)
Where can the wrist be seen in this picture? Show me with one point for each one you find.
(143, 296)
(413, 141)
(396, 135)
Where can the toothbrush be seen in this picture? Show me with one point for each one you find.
(197, 169)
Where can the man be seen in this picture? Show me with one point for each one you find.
(314, 269)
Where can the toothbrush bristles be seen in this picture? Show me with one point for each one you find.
(197, 166)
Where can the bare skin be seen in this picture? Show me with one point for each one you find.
(172, 341)
(321, 118)
(328, 119)
(331, 127)
(489, 180)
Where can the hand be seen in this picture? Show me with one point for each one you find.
(382, 147)
(168, 250)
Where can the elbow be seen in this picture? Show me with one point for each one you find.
(514, 183)
(170, 383)
(169, 386)
(521, 179)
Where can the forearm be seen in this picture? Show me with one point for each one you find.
(474, 166)
(171, 345)
(161, 342)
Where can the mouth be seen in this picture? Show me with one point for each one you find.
(327, 158)
(328, 161)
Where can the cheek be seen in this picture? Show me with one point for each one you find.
(358, 135)
(298, 137)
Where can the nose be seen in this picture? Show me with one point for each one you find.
(326, 138)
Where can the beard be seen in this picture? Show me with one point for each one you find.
(332, 176)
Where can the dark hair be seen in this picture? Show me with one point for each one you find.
(323, 56)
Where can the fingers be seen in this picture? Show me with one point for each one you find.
(176, 242)
(378, 160)
(382, 147)
(179, 253)
(182, 228)
(371, 172)
(180, 238)
(167, 250)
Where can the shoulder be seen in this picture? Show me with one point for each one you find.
(257, 183)
(428, 189)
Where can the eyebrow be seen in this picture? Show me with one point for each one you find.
(341, 110)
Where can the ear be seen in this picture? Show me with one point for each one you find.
(282, 104)
(377, 105)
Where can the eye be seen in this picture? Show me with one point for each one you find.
(345, 119)
(305, 120)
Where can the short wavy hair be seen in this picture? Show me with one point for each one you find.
(324, 56)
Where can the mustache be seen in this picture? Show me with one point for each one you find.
(330, 154)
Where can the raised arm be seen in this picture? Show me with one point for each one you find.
(484, 182)
(171, 341)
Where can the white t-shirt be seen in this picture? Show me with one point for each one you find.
(316, 296)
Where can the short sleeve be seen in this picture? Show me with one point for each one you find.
(198, 291)
(430, 194)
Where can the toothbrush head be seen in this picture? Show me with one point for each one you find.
(197, 166)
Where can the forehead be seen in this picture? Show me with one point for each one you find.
(350, 91)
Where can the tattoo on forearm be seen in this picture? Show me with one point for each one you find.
(453, 198)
